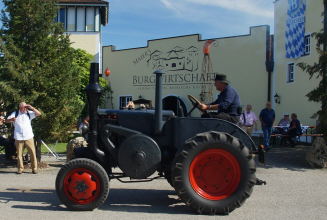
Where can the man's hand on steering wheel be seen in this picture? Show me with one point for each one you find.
(197, 104)
(203, 107)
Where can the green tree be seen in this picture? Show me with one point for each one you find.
(83, 59)
(38, 66)
(319, 71)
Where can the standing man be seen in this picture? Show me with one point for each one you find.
(267, 118)
(228, 102)
(248, 120)
(23, 134)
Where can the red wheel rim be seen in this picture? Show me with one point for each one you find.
(82, 186)
(215, 174)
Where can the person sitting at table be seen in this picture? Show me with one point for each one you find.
(294, 130)
(282, 127)
(285, 121)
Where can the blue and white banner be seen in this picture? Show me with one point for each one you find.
(295, 29)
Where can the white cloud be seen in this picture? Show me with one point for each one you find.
(261, 8)
(168, 4)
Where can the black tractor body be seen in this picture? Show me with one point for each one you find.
(209, 162)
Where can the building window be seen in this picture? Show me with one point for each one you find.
(90, 19)
(62, 16)
(290, 73)
(97, 19)
(80, 19)
(71, 19)
(307, 45)
(123, 101)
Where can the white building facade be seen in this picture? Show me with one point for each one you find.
(82, 20)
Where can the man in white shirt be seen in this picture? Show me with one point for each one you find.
(248, 120)
(23, 134)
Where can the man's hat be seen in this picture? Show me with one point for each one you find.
(221, 78)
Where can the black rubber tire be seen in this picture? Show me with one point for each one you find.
(94, 167)
(198, 144)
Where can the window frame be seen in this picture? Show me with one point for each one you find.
(307, 52)
(288, 78)
(91, 19)
(68, 9)
(96, 18)
(120, 100)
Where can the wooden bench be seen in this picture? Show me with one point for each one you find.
(302, 135)
(297, 137)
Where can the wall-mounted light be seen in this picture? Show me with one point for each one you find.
(107, 72)
(277, 98)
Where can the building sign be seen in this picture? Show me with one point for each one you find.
(176, 79)
(295, 29)
(181, 65)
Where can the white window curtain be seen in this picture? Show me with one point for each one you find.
(81, 19)
(90, 19)
(97, 19)
(71, 23)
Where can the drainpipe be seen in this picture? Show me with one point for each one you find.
(269, 61)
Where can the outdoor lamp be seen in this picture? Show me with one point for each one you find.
(277, 98)
(107, 72)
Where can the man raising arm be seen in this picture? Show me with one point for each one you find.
(23, 134)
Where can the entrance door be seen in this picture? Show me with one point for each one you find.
(175, 104)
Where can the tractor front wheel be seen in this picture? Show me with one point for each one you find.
(82, 185)
(214, 173)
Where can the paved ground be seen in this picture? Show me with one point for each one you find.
(294, 191)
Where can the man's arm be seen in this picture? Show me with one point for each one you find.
(226, 101)
(274, 118)
(212, 106)
(10, 120)
(209, 107)
(261, 117)
(37, 112)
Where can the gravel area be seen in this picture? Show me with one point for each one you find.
(293, 191)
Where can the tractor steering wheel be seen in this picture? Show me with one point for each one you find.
(196, 104)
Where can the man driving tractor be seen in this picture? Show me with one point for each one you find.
(227, 103)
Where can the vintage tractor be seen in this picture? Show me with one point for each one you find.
(209, 162)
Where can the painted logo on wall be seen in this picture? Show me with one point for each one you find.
(177, 59)
(181, 64)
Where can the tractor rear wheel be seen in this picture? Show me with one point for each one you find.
(82, 185)
(214, 173)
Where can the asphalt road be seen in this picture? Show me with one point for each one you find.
(294, 191)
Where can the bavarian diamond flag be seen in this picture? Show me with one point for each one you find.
(295, 28)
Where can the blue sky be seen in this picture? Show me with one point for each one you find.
(133, 22)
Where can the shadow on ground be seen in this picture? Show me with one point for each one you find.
(289, 158)
(46, 198)
(145, 201)
(121, 200)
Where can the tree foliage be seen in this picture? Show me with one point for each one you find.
(39, 66)
(319, 70)
(82, 59)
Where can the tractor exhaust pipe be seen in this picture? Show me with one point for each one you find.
(93, 92)
(158, 107)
